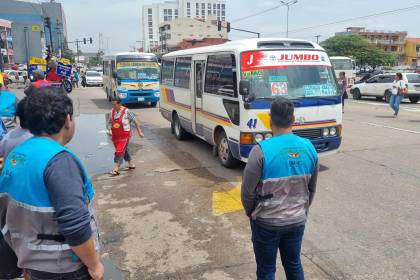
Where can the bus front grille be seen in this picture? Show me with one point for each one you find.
(309, 133)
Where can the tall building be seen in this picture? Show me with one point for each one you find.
(54, 11)
(390, 41)
(197, 31)
(30, 36)
(6, 41)
(155, 14)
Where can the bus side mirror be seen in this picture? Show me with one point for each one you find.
(244, 88)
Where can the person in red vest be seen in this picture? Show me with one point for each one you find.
(52, 75)
(121, 120)
(38, 83)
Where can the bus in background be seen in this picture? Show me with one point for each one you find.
(346, 65)
(133, 77)
(223, 94)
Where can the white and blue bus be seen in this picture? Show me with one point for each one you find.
(133, 77)
(223, 94)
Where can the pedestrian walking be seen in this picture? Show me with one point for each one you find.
(342, 82)
(76, 79)
(84, 79)
(399, 89)
(279, 183)
(120, 122)
(46, 208)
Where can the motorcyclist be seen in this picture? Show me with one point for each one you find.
(37, 83)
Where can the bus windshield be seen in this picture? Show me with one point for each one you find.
(291, 74)
(342, 64)
(137, 71)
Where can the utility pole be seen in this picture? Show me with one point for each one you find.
(317, 38)
(77, 41)
(288, 4)
(1, 54)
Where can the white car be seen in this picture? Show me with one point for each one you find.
(94, 78)
(380, 86)
(16, 76)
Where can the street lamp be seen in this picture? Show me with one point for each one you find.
(288, 4)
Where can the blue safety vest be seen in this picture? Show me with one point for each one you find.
(283, 195)
(7, 104)
(28, 222)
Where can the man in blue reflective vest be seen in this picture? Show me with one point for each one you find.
(278, 187)
(8, 103)
(46, 209)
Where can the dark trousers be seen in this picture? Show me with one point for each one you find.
(268, 242)
(81, 274)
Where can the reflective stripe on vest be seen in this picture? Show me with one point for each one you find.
(27, 209)
(7, 104)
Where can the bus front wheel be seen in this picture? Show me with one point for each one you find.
(180, 132)
(224, 153)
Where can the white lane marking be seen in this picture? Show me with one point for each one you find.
(387, 105)
(391, 127)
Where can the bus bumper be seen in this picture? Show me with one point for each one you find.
(139, 99)
(323, 146)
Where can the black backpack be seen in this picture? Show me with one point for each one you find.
(8, 261)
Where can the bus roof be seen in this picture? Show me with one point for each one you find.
(134, 54)
(251, 44)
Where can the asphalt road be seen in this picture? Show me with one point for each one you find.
(177, 216)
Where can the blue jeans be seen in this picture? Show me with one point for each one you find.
(267, 242)
(394, 102)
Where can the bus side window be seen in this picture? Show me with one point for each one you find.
(221, 75)
(167, 73)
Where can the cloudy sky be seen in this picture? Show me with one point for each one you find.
(120, 20)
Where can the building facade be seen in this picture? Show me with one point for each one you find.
(155, 14)
(177, 31)
(54, 11)
(6, 42)
(29, 33)
(412, 52)
(389, 41)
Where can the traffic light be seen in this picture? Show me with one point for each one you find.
(47, 22)
(90, 40)
(228, 27)
(48, 53)
(219, 25)
(84, 41)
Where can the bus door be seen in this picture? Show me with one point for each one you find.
(199, 66)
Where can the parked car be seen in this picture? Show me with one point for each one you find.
(16, 76)
(94, 78)
(380, 86)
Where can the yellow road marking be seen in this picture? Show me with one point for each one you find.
(227, 202)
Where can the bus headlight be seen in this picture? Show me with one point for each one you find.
(326, 132)
(268, 136)
(258, 137)
(333, 131)
(122, 94)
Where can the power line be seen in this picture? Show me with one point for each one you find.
(350, 19)
(258, 13)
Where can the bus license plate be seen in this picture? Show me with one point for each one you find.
(140, 99)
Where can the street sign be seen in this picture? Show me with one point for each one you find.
(37, 60)
(36, 28)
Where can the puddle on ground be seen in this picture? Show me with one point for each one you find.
(111, 271)
(92, 144)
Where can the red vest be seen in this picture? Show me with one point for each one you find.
(120, 137)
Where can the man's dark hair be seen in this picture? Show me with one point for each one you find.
(46, 111)
(282, 112)
(116, 99)
(400, 76)
(20, 113)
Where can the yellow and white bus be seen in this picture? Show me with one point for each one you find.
(223, 94)
(133, 77)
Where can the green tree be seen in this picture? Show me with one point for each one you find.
(96, 60)
(68, 54)
(358, 48)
